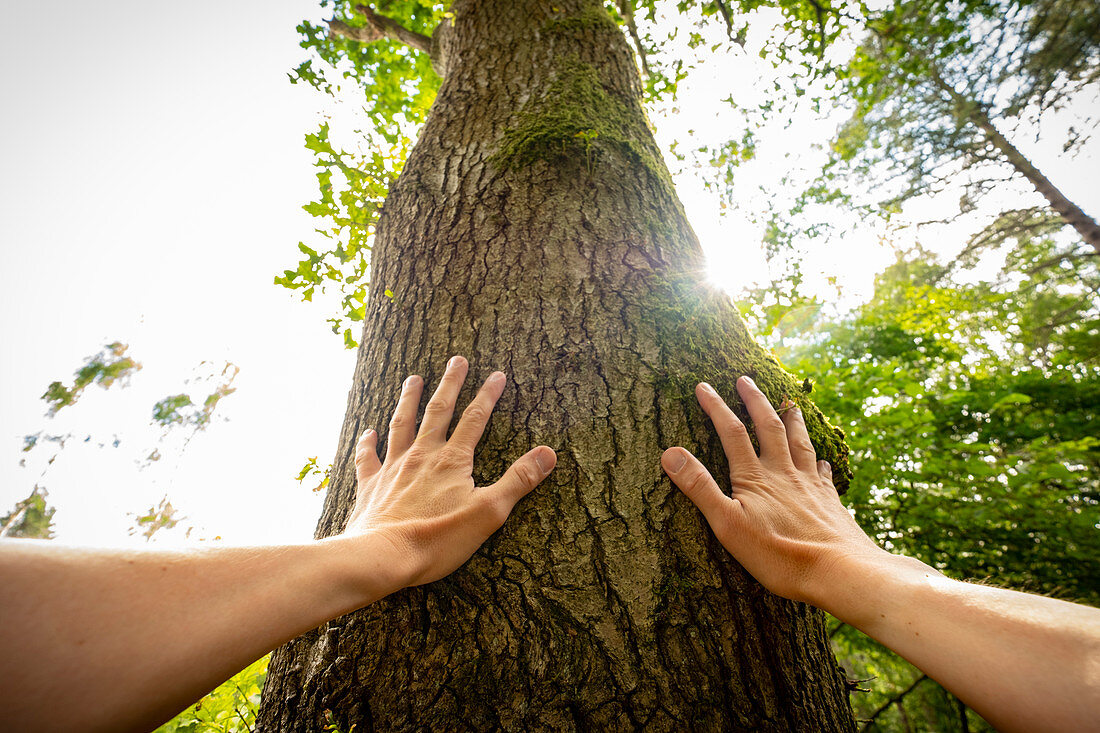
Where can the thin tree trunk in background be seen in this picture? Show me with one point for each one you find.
(565, 260)
(1073, 215)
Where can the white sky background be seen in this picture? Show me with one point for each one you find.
(151, 180)
(152, 175)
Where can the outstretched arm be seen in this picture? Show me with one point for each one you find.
(1023, 662)
(123, 639)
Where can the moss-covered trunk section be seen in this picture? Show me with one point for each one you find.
(535, 230)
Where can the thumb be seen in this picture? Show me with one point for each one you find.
(526, 473)
(693, 478)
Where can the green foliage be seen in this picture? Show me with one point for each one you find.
(110, 365)
(352, 188)
(186, 413)
(167, 411)
(972, 419)
(181, 410)
(398, 86)
(156, 518)
(313, 471)
(927, 72)
(397, 82)
(928, 86)
(31, 518)
(230, 708)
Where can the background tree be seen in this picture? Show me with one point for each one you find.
(534, 228)
(939, 88)
(940, 101)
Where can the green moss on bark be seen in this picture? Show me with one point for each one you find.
(697, 326)
(589, 19)
(577, 117)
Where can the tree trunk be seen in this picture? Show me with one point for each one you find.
(1070, 212)
(970, 110)
(535, 229)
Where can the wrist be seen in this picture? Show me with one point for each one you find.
(366, 567)
(859, 586)
(842, 580)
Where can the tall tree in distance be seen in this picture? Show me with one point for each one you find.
(534, 228)
(940, 88)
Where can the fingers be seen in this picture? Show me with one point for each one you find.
(731, 431)
(403, 422)
(770, 431)
(366, 456)
(693, 478)
(441, 407)
(525, 474)
(475, 417)
(802, 450)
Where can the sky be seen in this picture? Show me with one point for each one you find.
(151, 186)
(152, 175)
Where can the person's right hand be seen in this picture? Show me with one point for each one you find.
(783, 521)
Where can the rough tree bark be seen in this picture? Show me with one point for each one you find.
(535, 229)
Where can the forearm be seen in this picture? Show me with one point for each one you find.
(128, 638)
(1023, 662)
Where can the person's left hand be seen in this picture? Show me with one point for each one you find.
(422, 500)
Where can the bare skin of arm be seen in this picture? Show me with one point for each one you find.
(122, 639)
(1023, 662)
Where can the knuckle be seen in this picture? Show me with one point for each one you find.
(452, 457)
(526, 475)
(748, 474)
(414, 457)
(440, 404)
(772, 424)
(398, 421)
(736, 429)
(695, 483)
(803, 444)
(476, 412)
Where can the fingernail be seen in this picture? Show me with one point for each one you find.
(451, 361)
(541, 463)
(707, 388)
(496, 378)
(749, 380)
(828, 466)
(679, 463)
(367, 434)
(407, 383)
